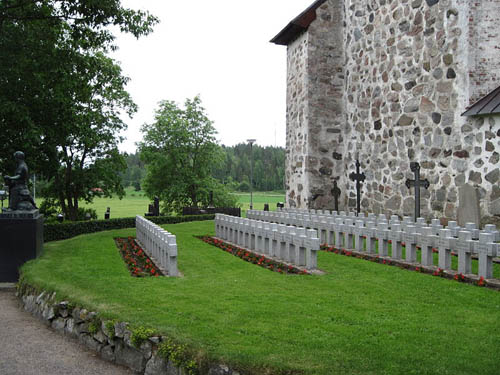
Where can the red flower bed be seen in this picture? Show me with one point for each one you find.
(137, 261)
(436, 272)
(254, 258)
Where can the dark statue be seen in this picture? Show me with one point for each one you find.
(19, 195)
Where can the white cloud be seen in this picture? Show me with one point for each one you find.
(219, 49)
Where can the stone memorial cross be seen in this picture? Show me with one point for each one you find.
(417, 183)
(359, 178)
(336, 194)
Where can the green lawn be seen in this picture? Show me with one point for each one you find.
(136, 203)
(259, 199)
(358, 318)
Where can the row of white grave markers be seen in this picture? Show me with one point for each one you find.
(322, 219)
(349, 232)
(289, 244)
(158, 244)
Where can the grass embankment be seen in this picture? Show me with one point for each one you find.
(359, 318)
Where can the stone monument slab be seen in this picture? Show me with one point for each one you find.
(22, 240)
(468, 206)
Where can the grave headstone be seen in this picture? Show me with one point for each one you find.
(468, 205)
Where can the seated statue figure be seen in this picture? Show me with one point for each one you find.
(19, 195)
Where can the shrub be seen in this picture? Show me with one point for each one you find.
(49, 207)
(65, 230)
(139, 335)
(244, 186)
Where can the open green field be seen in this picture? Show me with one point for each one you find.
(259, 199)
(358, 318)
(136, 203)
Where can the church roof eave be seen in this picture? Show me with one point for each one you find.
(298, 25)
(488, 105)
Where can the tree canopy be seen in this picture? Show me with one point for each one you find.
(61, 96)
(268, 167)
(180, 152)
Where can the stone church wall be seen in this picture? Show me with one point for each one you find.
(314, 110)
(411, 70)
(385, 82)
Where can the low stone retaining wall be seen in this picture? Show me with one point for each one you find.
(113, 341)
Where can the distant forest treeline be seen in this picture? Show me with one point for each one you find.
(234, 171)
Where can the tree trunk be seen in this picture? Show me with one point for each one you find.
(193, 194)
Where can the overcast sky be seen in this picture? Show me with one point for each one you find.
(220, 50)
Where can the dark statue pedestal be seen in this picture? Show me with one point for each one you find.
(21, 239)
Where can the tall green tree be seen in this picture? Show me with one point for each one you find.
(61, 96)
(180, 152)
(268, 167)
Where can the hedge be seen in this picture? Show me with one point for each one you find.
(62, 231)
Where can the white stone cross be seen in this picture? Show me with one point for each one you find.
(358, 232)
(275, 240)
(371, 235)
(490, 228)
(436, 226)
(300, 242)
(347, 229)
(382, 236)
(331, 232)
(172, 254)
(312, 247)
(282, 248)
(410, 240)
(465, 247)
(445, 243)
(471, 227)
(395, 235)
(289, 255)
(427, 240)
(454, 228)
(486, 250)
(337, 228)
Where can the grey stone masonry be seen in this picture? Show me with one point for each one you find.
(286, 243)
(160, 245)
(111, 339)
(386, 82)
(343, 230)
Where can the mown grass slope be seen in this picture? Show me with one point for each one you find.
(358, 318)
